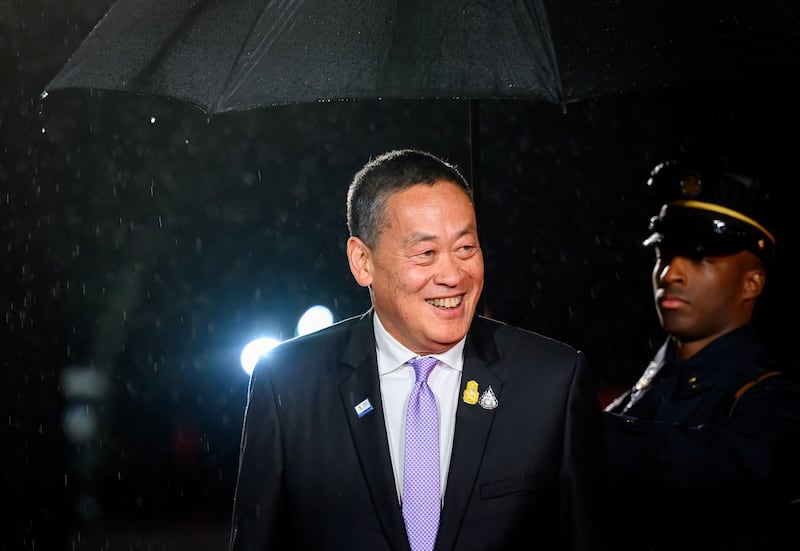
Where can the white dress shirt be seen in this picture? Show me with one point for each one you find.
(397, 379)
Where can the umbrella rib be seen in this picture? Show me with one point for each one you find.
(551, 48)
(139, 80)
(280, 23)
(544, 28)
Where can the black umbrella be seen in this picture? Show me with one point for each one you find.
(225, 55)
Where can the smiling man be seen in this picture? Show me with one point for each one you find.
(420, 425)
(704, 449)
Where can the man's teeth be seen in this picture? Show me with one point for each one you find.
(451, 302)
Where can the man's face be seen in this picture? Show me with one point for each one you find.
(700, 298)
(425, 272)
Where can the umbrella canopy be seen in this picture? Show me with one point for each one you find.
(233, 55)
(225, 55)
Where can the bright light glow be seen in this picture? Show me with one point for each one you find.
(254, 351)
(315, 318)
(80, 422)
(84, 383)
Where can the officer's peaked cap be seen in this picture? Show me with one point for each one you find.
(708, 210)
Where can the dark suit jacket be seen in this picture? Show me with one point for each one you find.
(529, 474)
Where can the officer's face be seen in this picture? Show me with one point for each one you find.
(700, 298)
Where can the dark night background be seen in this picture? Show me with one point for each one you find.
(147, 242)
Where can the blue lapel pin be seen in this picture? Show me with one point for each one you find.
(363, 408)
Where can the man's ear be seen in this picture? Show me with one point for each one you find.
(359, 257)
(754, 282)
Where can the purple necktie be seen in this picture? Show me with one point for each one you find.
(421, 493)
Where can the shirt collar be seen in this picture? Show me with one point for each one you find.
(393, 355)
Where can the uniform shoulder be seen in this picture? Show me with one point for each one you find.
(777, 380)
(772, 361)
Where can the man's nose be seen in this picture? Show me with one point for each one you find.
(448, 270)
(672, 269)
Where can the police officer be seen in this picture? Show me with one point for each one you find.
(703, 450)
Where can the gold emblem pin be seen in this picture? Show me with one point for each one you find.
(471, 393)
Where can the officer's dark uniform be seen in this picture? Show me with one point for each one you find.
(705, 453)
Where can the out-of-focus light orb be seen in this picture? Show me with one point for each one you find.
(80, 423)
(84, 383)
(254, 351)
(315, 318)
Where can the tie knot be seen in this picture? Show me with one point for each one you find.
(423, 366)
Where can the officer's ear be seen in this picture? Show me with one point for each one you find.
(755, 278)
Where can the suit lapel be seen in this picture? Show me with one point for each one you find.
(473, 423)
(369, 430)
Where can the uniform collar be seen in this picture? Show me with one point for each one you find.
(716, 363)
